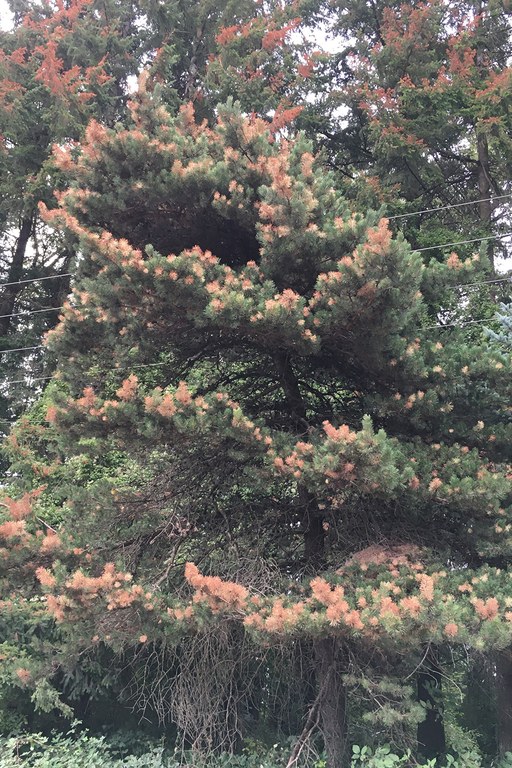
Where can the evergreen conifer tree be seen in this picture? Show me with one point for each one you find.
(426, 90)
(260, 359)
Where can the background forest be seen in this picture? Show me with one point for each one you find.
(255, 338)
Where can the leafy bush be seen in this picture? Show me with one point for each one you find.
(382, 757)
(79, 749)
(74, 750)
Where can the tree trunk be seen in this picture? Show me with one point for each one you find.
(8, 298)
(330, 705)
(431, 735)
(332, 702)
(482, 148)
(504, 700)
(312, 518)
(484, 191)
(484, 178)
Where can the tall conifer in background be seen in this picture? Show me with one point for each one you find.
(427, 87)
(60, 66)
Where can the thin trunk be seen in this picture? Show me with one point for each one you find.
(504, 700)
(10, 293)
(314, 534)
(482, 148)
(330, 704)
(431, 734)
(333, 702)
(292, 393)
(484, 191)
(484, 179)
(312, 517)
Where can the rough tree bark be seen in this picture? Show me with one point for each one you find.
(10, 293)
(503, 679)
(431, 734)
(330, 706)
(482, 148)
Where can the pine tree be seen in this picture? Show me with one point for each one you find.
(60, 65)
(261, 357)
(427, 86)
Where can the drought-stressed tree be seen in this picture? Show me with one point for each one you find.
(426, 90)
(61, 65)
(297, 453)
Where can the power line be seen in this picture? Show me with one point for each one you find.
(36, 279)
(29, 380)
(155, 365)
(456, 285)
(432, 247)
(32, 312)
(390, 218)
(462, 242)
(104, 370)
(456, 325)
(448, 207)
(20, 349)
(482, 282)
(50, 309)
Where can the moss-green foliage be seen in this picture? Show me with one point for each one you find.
(81, 749)
(503, 333)
(385, 757)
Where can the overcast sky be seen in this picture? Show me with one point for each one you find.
(5, 15)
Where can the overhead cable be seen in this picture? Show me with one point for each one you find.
(462, 242)
(448, 207)
(36, 279)
(105, 370)
(390, 218)
(20, 349)
(32, 312)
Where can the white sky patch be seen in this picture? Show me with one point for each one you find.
(6, 17)
(131, 84)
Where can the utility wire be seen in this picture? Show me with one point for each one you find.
(457, 285)
(390, 218)
(36, 279)
(462, 242)
(105, 370)
(456, 325)
(32, 312)
(20, 349)
(29, 380)
(154, 365)
(419, 250)
(448, 207)
(483, 282)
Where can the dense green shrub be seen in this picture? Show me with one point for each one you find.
(74, 750)
(383, 757)
(81, 750)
